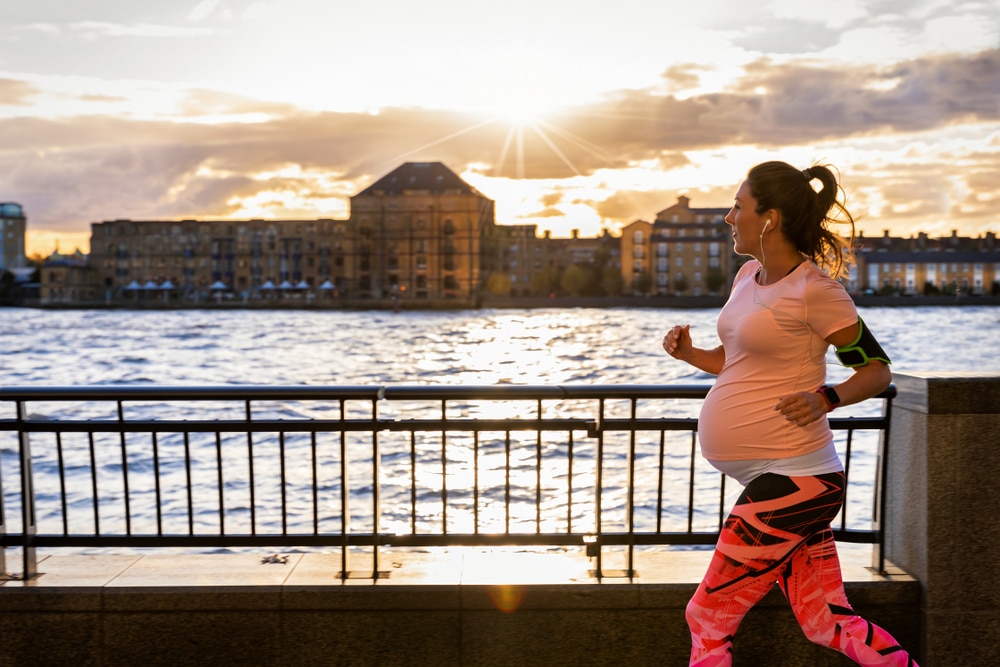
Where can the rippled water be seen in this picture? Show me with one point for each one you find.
(544, 346)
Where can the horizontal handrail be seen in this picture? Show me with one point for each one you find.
(593, 466)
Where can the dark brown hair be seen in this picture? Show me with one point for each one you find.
(807, 214)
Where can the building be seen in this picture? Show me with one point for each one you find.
(196, 259)
(67, 279)
(419, 232)
(12, 229)
(523, 261)
(922, 265)
(684, 252)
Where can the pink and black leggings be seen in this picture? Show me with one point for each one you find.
(779, 532)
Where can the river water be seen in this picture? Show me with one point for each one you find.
(543, 346)
(483, 347)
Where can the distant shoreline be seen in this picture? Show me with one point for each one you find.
(501, 303)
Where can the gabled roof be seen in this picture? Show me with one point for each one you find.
(433, 177)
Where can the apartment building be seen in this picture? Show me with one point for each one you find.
(421, 234)
(67, 279)
(12, 227)
(422, 231)
(685, 252)
(418, 232)
(924, 265)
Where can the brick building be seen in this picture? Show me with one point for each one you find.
(924, 265)
(421, 234)
(422, 231)
(67, 279)
(417, 232)
(685, 252)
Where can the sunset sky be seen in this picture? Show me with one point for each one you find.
(572, 114)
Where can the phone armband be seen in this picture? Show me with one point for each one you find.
(863, 350)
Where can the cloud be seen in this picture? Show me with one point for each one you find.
(15, 93)
(796, 36)
(70, 171)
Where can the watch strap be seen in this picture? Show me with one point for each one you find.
(830, 395)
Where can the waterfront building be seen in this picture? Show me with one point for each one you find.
(928, 266)
(522, 260)
(12, 228)
(191, 260)
(417, 232)
(420, 234)
(67, 279)
(685, 252)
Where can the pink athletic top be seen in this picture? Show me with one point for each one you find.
(774, 338)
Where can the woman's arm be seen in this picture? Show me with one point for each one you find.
(677, 343)
(869, 380)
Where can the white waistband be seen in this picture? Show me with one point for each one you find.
(820, 462)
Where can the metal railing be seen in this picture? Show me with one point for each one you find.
(369, 468)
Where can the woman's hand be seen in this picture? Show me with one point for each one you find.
(677, 341)
(803, 408)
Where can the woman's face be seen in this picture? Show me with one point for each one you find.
(748, 226)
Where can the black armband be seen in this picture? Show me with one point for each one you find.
(864, 349)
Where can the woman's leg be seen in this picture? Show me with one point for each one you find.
(813, 584)
(770, 520)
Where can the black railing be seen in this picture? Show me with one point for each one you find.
(368, 468)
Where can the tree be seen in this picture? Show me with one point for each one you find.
(611, 281)
(574, 280)
(714, 280)
(545, 281)
(680, 284)
(498, 284)
(642, 282)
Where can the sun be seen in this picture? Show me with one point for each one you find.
(517, 109)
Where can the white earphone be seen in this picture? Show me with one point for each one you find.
(766, 223)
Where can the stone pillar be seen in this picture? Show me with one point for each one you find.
(943, 510)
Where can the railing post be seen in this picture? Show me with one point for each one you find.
(3, 527)
(881, 488)
(28, 528)
(598, 488)
(377, 504)
(345, 499)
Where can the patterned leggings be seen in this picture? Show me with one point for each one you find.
(779, 532)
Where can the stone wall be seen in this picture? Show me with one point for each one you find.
(942, 508)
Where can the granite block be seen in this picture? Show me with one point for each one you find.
(365, 638)
(193, 637)
(40, 639)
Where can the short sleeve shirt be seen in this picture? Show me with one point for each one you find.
(774, 339)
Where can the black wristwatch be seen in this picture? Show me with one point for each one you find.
(831, 396)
